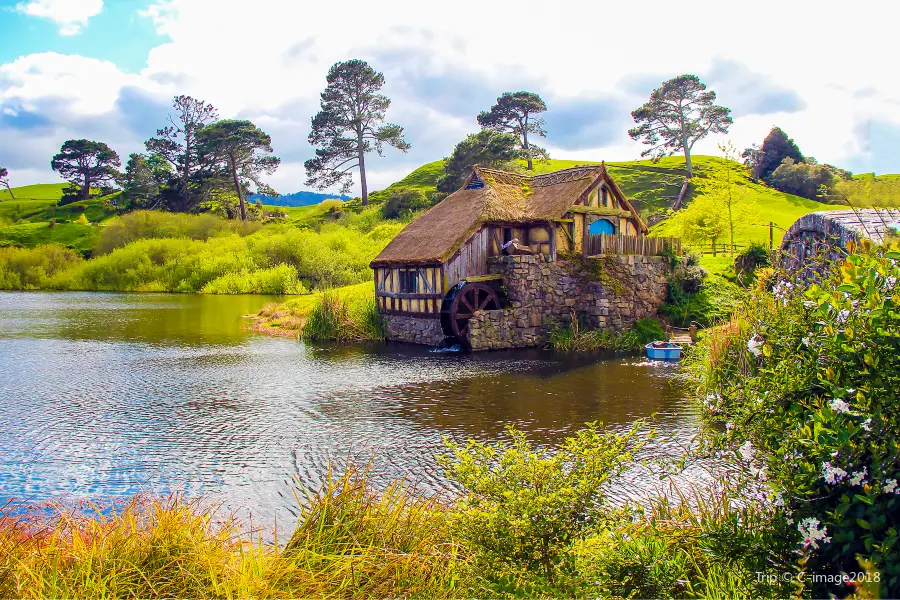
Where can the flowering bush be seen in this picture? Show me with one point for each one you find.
(806, 381)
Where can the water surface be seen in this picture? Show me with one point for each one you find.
(106, 395)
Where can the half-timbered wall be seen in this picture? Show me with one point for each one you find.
(409, 290)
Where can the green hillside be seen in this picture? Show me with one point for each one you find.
(652, 188)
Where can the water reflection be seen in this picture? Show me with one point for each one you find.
(103, 395)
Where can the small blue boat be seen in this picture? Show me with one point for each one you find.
(663, 351)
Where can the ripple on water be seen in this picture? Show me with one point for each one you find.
(106, 395)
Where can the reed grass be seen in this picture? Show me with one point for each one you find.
(350, 542)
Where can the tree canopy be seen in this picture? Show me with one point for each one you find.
(487, 148)
(349, 126)
(243, 150)
(178, 144)
(86, 163)
(514, 113)
(775, 148)
(678, 114)
(145, 177)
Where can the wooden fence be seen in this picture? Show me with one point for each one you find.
(631, 244)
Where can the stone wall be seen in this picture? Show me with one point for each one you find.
(414, 330)
(611, 291)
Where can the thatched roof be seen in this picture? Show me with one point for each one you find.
(493, 196)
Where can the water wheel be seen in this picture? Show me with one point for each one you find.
(461, 304)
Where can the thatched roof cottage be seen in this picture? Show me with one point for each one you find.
(418, 274)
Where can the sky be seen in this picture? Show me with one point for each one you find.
(108, 69)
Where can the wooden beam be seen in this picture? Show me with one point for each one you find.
(406, 295)
(563, 220)
(602, 211)
(491, 277)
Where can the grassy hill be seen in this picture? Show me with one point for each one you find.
(652, 188)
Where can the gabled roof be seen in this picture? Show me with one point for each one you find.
(493, 196)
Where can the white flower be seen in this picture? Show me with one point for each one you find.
(805, 341)
(755, 344)
(729, 426)
(712, 400)
(809, 304)
(843, 315)
(790, 521)
(832, 474)
(890, 485)
(889, 283)
(812, 535)
(760, 473)
(859, 477)
(747, 452)
(867, 424)
(782, 291)
(779, 499)
(839, 406)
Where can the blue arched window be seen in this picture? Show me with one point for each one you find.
(602, 226)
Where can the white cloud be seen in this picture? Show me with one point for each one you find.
(70, 15)
(267, 62)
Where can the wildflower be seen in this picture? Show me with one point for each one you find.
(729, 426)
(890, 486)
(779, 499)
(809, 304)
(755, 344)
(843, 315)
(805, 341)
(747, 452)
(812, 535)
(867, 424)
(839, 406)
(859, 477)
(782, 291)
(790, 521)
(760, 473)
(889, 283)
(832, 474)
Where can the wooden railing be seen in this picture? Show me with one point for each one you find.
(631, 244)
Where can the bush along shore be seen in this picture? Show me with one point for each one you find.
(150, 251)
(802, 385)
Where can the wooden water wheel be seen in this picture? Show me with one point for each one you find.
(461, 304)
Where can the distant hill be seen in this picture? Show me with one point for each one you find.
(296, 199)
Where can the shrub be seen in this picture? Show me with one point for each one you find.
(751, 258)
(641, 333)
(404, 201)
(82, 220)
(807, 377)
(333, 318)
(36, 268)
(716, 300)
(522, 508)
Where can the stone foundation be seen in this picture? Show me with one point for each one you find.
(414, 330)
(611, 291)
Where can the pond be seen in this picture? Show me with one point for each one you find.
(106, 395)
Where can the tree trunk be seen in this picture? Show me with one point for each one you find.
(186, 174)
(525, 145)
(237, 187)
(9, 189)
(687, 161)
(362, 177)
(86, 188)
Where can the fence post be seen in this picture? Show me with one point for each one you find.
(771, 234)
